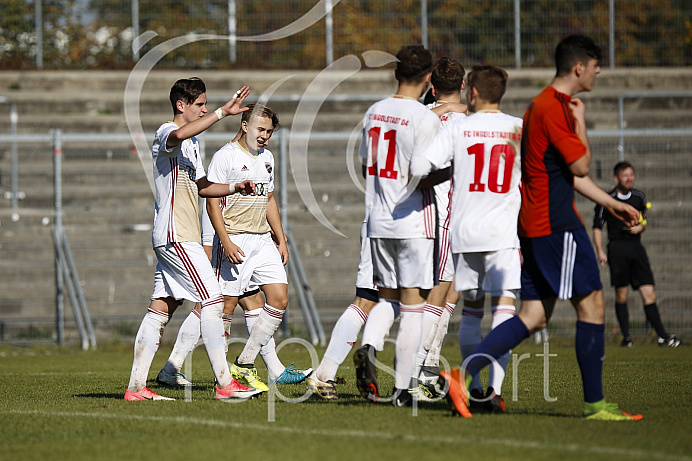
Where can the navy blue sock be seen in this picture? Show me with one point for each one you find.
(590, 345)
(504, 337)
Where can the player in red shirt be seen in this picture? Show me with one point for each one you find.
(559, 261)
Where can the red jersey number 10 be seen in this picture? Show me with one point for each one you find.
(496, 153)
(388, 170)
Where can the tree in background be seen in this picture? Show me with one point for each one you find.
(99, 33)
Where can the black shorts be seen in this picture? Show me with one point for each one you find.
(629, 264)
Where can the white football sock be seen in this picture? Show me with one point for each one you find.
(213, 335)
(431, 319)
(344, 337)
(433, 358)
(268, 351)
(188, 337)
(146, 344)
(470, 336)
(496, 374)
(407, 343)
(262, 331)
(227, 324)
(379, 323)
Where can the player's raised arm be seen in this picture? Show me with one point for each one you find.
(195, 127)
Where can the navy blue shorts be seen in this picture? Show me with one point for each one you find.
(561, 265)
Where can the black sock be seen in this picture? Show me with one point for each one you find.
(652, 315)
(623, 318)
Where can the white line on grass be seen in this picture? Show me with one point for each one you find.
(363, 434)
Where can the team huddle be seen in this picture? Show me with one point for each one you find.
(462, 200)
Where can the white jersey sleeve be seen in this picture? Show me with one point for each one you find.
(207, 227)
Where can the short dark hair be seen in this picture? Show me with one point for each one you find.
(447, 75)
(186, 90)
(574, 49)
(259, 110)
(620, 166)
(413, 62)
(490, 81)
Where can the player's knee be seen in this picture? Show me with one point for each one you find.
(278, 302)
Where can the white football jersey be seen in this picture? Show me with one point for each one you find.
(442, 189)
(486, 150)
(176, 216)
(395, 130)
(244, 213)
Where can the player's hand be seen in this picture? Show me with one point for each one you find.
(602, 258)
(638, 229)
(233, 253)
(625, 213)
(232, 107)
(455, 107)
(246, 187)
(276, 239)
(283, 251)
(578, 109)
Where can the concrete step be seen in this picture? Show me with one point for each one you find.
(46, 99)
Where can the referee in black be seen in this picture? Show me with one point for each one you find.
(629, 263)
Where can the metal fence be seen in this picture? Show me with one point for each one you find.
(307, 34)
(107, 216)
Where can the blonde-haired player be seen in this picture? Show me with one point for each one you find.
(244, 251)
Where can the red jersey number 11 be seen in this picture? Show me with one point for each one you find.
(388, 170)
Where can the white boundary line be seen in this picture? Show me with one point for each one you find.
(571, 448)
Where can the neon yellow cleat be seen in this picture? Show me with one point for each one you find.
(604, 411)
(248, 376)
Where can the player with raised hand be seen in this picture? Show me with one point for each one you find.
(183, 270)
(484, 149)
(558, 259)
(401, 217)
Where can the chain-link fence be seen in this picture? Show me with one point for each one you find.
(108, 211)
(308, 34)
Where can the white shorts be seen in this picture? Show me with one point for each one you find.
(364, 277)
(445, 261)
(183, 272)
(262, 264)
(491, 271)
(403, 263)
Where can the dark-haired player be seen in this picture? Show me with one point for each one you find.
(485, 150)
(558, 259)
(401, 218)
(183, 270)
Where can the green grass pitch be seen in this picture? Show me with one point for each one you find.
(67, 404)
